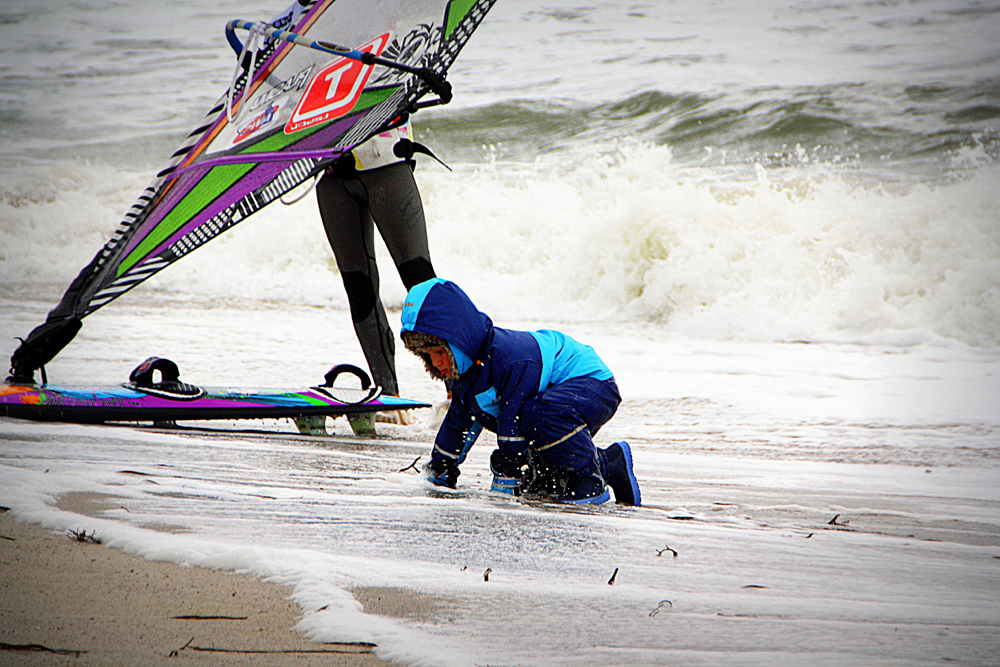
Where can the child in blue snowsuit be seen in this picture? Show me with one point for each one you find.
(544, 395)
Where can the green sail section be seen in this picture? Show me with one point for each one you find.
(457, 9)
(215, 183)
(370, 98)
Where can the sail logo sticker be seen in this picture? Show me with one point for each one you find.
(260, 122)
(335, 89)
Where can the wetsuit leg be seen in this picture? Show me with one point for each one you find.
(395, 205)
(344, 208)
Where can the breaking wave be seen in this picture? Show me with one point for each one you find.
(807, 253)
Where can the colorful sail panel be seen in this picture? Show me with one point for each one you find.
(299, 110)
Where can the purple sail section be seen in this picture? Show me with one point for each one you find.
(253, 158)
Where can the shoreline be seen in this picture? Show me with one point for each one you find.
(66, 600)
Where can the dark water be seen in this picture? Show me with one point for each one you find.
(916, 129)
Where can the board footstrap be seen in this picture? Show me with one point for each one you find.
(178, 391)
(143, 378)
(368, 391)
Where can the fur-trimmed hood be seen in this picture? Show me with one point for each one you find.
(440, 310)
(420, 344)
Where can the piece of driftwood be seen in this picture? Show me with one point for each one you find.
(40, 649)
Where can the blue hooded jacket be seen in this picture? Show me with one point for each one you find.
(499, 369)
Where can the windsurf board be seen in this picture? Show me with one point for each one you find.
(167, 399)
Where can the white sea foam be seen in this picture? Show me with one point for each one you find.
(808, 255)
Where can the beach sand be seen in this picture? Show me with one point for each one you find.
(70, 602)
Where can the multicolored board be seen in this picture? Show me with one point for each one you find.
(90, 405)
(154, 393)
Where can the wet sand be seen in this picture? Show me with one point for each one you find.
(70, 602)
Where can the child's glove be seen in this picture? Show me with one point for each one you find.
(508, 471)
(441, 472)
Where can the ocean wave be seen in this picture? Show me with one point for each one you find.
(872, 123)
(813, 256)
(805, 252)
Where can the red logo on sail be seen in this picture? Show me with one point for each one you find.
(334, 90)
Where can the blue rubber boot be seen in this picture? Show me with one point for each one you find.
(586, 490)
(621, 478)
(509, 485)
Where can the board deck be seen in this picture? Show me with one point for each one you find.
(92, 405)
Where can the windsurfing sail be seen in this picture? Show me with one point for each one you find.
(341, 72)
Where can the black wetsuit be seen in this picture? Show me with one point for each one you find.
(352, 203)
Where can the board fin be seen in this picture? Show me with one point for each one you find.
(363, 425)
(311, 425)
